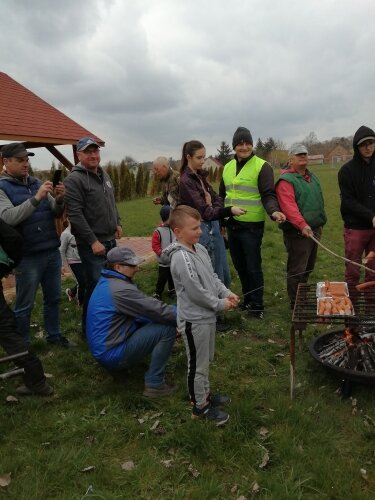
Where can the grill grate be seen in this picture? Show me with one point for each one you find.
(306, 305)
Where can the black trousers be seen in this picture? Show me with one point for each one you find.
(13, 343)
(164, 276)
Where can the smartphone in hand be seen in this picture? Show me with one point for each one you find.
(56, 177)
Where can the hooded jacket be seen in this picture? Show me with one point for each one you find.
(117, 308)
(357, 187)
(200, 293)
(91, 205)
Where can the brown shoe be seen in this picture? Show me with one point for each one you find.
(160, 391)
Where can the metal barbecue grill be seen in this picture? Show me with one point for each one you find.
(305, 312)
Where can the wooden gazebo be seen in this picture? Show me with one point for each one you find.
(27, 118)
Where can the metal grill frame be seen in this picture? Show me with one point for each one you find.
(305, 312)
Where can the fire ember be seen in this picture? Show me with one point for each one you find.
(352, 349)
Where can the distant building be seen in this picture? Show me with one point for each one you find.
(211, 162)
(338, 154)
(316, 159)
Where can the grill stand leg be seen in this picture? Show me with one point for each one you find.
(346, 388)
(292, 352)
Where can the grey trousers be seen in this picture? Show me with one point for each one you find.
(200, 347)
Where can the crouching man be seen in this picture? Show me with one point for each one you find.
(124, 325)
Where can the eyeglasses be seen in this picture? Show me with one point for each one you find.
(367, 144)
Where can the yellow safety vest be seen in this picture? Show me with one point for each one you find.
(242, 189)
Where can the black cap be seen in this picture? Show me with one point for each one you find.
(242, 134)
(15, 150)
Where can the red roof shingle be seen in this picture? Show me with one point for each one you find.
(26, 117)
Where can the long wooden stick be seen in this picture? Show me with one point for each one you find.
(340, 256)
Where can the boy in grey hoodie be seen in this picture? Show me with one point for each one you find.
(200, 297)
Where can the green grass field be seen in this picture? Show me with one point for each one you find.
(75, 444)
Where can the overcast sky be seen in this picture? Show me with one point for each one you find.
(148, 75)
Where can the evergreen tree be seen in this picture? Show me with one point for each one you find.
(139, 181)
(224, 153)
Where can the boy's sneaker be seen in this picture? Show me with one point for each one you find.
(218, 399)
(172, 293)
(256, 311)
(160, 391)
(157, 296)
(244, 307)
(210, 412)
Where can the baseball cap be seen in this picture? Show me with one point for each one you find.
(123, 255)
(15, 150)
(298, 149)
(85, 142)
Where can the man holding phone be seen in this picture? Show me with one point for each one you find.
(31, 207)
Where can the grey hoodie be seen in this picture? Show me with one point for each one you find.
(91, 205)
(200, 293)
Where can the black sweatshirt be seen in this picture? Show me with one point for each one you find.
(357, 187)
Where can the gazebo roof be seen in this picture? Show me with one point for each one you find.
(28, 118)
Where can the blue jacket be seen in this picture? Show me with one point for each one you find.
(117, 308)
(38, 230)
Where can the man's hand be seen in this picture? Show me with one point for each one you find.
(307, 232)
(238, 211)
(157, 200)
(59, 192)
(43, 191)
(118, 233)
(373, 222)
(278, 217)
(97, 248)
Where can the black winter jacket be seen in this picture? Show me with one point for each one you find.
(357, 187)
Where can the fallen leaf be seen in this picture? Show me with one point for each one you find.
(90, 440)
(141, 420)
(369, 420)
(263, 431)
(193, 471)
(11, 399)
(89, 468)
(270, 341)
(256, 488)
(354, 402)
(48, 375)
(167, 463)
(103, 412)
(156, 415)
(234, 488)
(363, 473)
(265, 460)
(154, 425)
(242, 497)
(5, 480)
(128, 466)
(39, 334)
(46, 443)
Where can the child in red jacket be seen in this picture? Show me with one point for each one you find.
(161, 238)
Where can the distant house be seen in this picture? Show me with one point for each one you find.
(213, 163)
(338, 154)
(316, 159)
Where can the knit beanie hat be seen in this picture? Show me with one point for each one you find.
(242, 134)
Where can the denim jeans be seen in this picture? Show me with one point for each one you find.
(152, 338)
(245, 249)
(213, 241)
(42, 268)
(92, 266)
